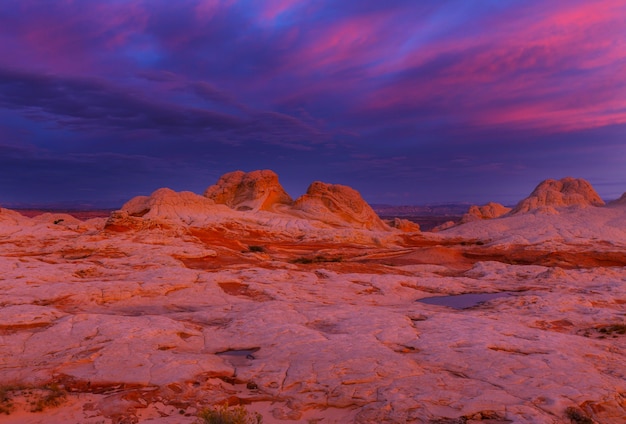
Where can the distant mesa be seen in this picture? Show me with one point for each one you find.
(256, 190)
(551, 194)
(489, 211)
(336, 204)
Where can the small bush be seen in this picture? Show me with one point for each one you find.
(316, 260)
(53, 396)
(223, 415)
(256, 249)
(577, 416)
(6, 404)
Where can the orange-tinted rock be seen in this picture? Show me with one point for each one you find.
(489, 211)
(619, 202)
(256, 190)
(161, 207)
(338, 205)
(404, 225)
(551, 194)
(444, 226)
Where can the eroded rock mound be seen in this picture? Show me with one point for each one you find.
(162, 206)
(489, 211)
(551, 194)
(256, 190)
(619, 202)
(404, 225)
(338, 205)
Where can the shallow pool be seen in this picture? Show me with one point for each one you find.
(462, 301)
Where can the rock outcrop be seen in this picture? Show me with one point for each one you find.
(256, 190)
(404, 225)
(338, 205)
(550, 194)
(489, 211)
(164, 206)
(619, 202)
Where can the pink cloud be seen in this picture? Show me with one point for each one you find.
(62, 37)
(273, 8)
(522, 75)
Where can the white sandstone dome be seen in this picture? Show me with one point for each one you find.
(550, 194)
(256, 190)
(338, 205)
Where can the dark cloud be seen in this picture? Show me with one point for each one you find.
(96, 105)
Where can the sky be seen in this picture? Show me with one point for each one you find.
(408, 102)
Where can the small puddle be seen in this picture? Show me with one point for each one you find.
(462, 301)
(239, 357)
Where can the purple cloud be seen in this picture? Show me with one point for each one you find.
(315, 88)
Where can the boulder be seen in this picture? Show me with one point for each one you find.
(256, 190)
(338, 205)
(551, 194)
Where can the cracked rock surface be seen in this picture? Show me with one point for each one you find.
(153, 323)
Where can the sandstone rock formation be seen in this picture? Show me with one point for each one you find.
(338, 205)
(161, 207)
(256, 190)
(550, 194)
(489, 211)
(404, 225)
(619, 202)
(153, 327)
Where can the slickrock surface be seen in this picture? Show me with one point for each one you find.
(256, 190)
(151, 324)
(551, 194)
(338, 205)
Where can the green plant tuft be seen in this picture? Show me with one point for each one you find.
(223, 415)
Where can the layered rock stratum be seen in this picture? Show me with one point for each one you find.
(197, 304)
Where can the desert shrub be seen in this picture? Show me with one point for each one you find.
(53, 396)
(40, 398)
(316, 260)
(616, 328)
(577, 416)
(223, 415)
(6, 404)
